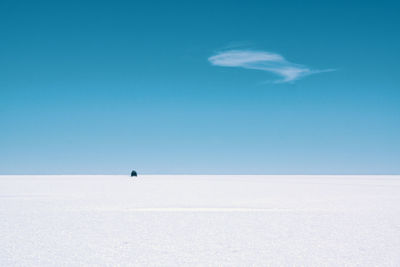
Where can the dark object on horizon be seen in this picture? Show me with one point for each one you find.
(133, 174)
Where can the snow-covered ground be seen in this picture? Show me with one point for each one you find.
(203, 220)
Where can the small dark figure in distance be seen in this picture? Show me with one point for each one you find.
(133, 174)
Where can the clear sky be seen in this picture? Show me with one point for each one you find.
(252, 87)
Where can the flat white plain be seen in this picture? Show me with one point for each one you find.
(199, 220)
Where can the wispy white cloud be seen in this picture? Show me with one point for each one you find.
(265, 61)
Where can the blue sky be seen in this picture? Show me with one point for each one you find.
(257, 87)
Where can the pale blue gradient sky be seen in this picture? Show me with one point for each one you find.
(110, 86)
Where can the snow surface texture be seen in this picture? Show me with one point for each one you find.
(189, 220)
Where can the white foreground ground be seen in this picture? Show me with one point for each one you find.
(187, 220)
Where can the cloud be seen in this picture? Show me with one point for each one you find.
(265, 61)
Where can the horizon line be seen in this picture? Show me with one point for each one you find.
(208, 174)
